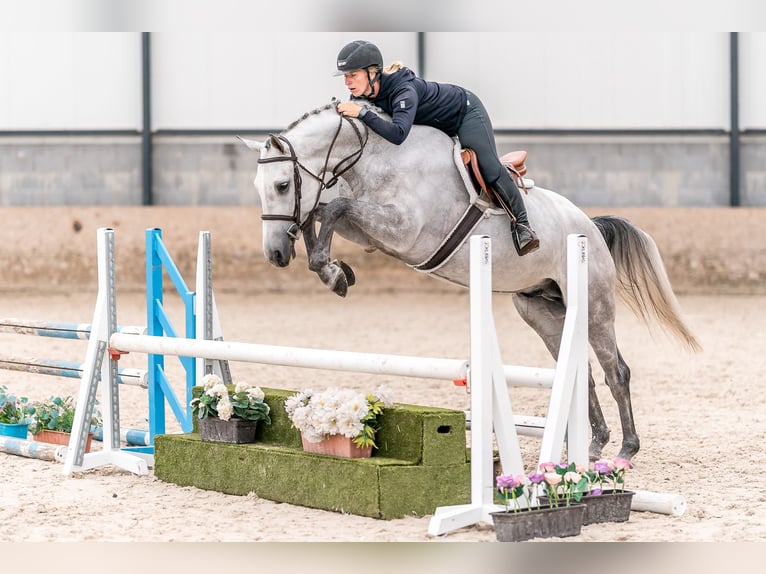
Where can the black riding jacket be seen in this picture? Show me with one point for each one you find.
(411, 100)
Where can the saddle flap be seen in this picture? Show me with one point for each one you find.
(515, 161)
(472, 163)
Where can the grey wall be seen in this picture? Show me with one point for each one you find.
(623, 171)
(70, 170)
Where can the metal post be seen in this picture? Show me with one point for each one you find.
(734, 145)
(146, 130)
(422, 54)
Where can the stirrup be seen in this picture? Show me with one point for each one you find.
(531, 246)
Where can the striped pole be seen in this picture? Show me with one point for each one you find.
(133, 437)
(57, 329)
(69, 369)
(33, 449)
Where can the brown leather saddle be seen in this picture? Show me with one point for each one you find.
(514, 162)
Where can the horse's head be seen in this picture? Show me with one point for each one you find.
(294, 168)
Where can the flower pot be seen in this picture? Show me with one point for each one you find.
(235, 431)
(545, 522)
(609, 506)
(337, 445)
(58, 437)
(16, 430)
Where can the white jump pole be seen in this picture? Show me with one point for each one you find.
(326, 359)
(658, 502)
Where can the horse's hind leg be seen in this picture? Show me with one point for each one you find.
(617, 377)
(545, 313)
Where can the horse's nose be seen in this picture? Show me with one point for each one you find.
(279, 258)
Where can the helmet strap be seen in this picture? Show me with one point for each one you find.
(371, 82)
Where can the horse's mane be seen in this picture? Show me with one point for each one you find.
(333, 103)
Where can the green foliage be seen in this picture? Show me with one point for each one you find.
(248, 408)
(14, 410)
(371, 424)
(57, 414)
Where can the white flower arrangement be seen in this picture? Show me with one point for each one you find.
(246, 402)
(338, 411)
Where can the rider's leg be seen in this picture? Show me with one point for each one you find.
(476, 133)
(509, 195)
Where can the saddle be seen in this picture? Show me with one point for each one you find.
(514, 162)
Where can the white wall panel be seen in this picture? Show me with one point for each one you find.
(605, 80)
(78, 81)
(222, 80)
(752, 86)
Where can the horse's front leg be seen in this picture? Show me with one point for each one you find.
(337, 275)
(376, 224)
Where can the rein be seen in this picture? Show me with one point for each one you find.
(339, 169)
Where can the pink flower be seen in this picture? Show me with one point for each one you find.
(573, 477)
(603, 466)
(536, 478)
(552, 478)
(607, 462)
(546, 467)
(621, 464)
(504, 481)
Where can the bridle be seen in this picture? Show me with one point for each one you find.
(340, 168)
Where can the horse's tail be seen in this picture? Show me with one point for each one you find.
(642, 282)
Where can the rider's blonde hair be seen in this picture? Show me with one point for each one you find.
(390, 69)
(393, 67)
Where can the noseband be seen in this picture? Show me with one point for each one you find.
(340, 168)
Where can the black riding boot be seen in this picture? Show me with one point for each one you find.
(524, 238)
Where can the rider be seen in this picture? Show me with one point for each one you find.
(454, 110)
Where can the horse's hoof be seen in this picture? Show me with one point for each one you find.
(341, 286)
(628, 452)
(348, 272)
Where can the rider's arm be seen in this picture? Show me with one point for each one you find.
(404, 106)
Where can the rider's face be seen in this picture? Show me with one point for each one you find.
(357, 83)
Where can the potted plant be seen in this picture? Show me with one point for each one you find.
(338, 422)
(15, 414)
(229, 415)
(556, 513)
(53, 421)
(607, 504)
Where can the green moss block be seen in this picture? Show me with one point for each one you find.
(419, 465)
(419, 490)
(422, 435)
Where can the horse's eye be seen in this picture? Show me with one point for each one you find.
(282, 186)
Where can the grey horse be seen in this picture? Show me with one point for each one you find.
(405, 200)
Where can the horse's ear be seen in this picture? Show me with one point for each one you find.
(275, 141)
(252, 144)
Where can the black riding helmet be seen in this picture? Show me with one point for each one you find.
(358, 55)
